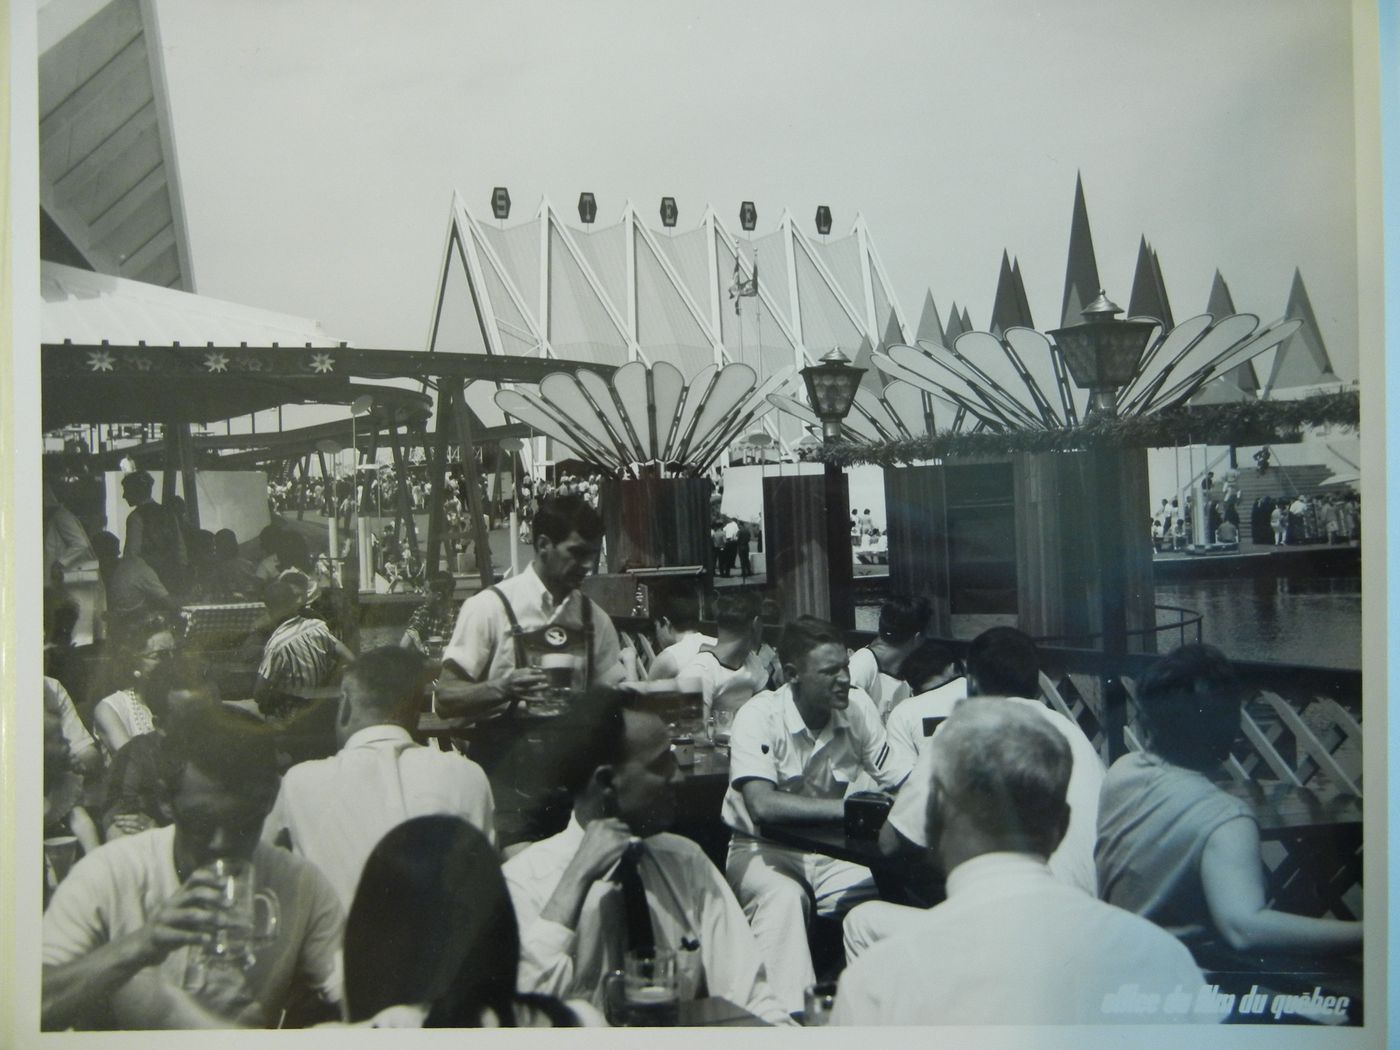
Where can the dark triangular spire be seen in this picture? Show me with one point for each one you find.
(966, 320)
(1023, 305)
(1149, 295)
(1301, 360)
(955, 327)
(1081, 270)
(930, 324)
(894, 334)
(874, 379)
(1240, 383)
(1004, 305)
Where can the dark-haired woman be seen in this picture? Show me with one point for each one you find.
(431, 939)
(126, 713)
(1176, 848)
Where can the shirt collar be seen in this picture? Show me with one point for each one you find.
(987, 868)
(531, 579)
(794, 724)
(371, 735)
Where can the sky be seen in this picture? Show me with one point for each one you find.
(319, 142)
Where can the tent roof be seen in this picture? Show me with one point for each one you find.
(109, 186)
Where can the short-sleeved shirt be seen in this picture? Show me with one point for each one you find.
(1154, 820)
(728, 687)
(57, 701)
(1073, 862)
(679, 653)
(914, 720)
(770, 741)
(886, 690)
(114, 889)
(481, 642)
(301, 651)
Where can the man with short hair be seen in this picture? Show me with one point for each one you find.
(875, 669)
(678, 636)
(932, 673)
(1011, 944)
(729, 671)
(794, 754)
(333, 811)
(122, 929)
(504, 632)
(432, 622)
(1001, 662)
(615, 879)
(154, 532)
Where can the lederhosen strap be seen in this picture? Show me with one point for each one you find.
(521, 658)
(517, 633)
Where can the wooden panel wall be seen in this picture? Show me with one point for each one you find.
(794, 524)
(656, 522)
(917, 526)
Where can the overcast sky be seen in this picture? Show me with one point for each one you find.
(319, 142)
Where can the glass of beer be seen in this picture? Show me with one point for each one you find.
(645, 993)
(247, 922)
(721, 723)
(818, 999)
(563, 675)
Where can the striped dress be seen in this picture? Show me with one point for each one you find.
(300, 652)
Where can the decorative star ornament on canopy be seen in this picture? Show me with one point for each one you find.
(646, 415)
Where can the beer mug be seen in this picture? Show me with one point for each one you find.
(247, 922)
(721, 723)
(645, 993)
(563, 675)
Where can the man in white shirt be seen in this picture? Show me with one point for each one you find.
(124, 927)
(932, 673)
(333, 811)
(504, 633)
(1012, 944)
(729, 671)
(678, 636)
(1001, 662)
(794, 754)
(615, 879)
(877, 669)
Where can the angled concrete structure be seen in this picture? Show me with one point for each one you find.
(1081, 269)
(1302, 360)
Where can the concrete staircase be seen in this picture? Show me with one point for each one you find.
(1281, 481)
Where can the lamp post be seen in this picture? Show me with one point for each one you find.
(1103, 354)
(831, 389)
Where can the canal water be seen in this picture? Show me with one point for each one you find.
(1313, 620)
(1309, 620)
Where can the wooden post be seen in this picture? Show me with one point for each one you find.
(468, 443)
(188, 474)
(916, 516)
(171, 441)
(795, 520)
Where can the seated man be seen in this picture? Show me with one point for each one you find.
(932, 673)
(794, 754)
(1011, 944)
(504, 633)
(678, 636)
(1001, 662)
(301, 651)
(875, 669)
(432, 622)
(121, 932)
(614, 879)
(333, 810)
(729, 672)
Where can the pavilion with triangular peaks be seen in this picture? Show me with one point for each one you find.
(630, 291)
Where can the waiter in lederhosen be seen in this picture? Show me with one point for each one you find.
(535, 636)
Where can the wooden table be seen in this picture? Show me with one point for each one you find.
(900, 879)
(716, 1012)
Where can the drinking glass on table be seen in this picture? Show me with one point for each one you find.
(645, 993)
(721, 725)
(818, 999)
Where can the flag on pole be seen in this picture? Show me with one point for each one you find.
(742, 288)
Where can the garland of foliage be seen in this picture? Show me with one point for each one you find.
(1241, 423)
